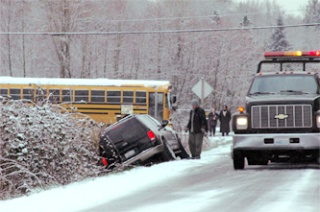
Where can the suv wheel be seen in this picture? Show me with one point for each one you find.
(238, 160)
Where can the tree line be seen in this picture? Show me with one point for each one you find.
(226, 59)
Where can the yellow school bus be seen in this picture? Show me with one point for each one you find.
(104, 100)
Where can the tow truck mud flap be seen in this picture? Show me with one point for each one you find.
(145, 155)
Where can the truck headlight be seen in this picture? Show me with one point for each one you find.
(318, 121)
(242, 123)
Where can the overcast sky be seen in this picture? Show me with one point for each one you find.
(290, 6)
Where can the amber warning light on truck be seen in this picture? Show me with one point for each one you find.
(292, 54)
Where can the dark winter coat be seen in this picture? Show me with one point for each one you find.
(199, 121)
(213, 118)
(225, 121)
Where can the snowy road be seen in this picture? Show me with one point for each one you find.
(209, 184)
(212, 185)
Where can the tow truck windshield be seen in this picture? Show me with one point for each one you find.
(284, 84)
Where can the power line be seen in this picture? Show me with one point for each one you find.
(160, 31)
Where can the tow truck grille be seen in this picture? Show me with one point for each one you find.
(281, 116)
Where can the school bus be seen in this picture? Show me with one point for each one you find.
(104, 100)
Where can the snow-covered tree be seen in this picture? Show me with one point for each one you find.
(278, 39)
(309, 36)
(42, 146)
(312, 13)
(182, 58)
(246, 21)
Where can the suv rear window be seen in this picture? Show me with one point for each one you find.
(149, 121)
(129, 130)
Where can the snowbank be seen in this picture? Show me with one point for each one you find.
(41, 146)
(93, 192)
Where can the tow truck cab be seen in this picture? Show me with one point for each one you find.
(281, 118)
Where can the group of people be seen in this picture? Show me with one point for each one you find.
(198, 126)
(224, 117)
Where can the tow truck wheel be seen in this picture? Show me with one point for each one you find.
(238, 160)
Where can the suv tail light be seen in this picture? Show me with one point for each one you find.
(151, 135)
(104, 161)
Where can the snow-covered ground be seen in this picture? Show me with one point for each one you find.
(209, 184)
(94, 192)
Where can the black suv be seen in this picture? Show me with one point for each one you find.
(136, 139)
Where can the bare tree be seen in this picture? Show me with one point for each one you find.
(226, 58)
(7, 13)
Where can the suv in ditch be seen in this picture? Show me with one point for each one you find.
(281, 118)
(138, 139)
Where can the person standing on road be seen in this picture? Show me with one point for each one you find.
(213, 119)
(225, 117)
(197, 127)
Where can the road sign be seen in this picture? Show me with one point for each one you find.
(202, 89)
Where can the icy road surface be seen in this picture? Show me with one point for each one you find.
(209, 184)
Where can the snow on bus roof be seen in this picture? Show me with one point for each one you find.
(77, 81)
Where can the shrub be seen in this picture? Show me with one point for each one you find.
(44, 145)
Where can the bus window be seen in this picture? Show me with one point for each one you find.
(66, 95)
(3, 92)
(141, 97)
(156, 105)
(27, 94)
(113, 96)
(41, 94)
(54, 95)
(97, 96)
(81, 95)
(15, 93)
(127, 97)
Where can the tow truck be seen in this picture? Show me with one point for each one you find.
(280, 121)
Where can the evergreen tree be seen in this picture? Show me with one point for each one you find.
(312, 12)
(216, 17)
(278, 38)
(246, 21)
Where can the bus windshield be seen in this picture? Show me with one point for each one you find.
(156, 105)
(284, 84)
